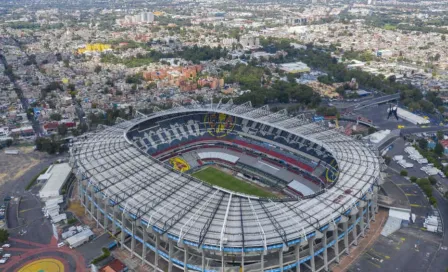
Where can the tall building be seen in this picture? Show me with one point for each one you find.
(248, 41)
(146, 17)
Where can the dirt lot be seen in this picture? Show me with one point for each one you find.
(12, 167)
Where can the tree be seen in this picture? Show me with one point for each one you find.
(432, 180)
(440, 135)
(56, 116)
(62, 129)
(371, 130)
(443, 38)
(387, 160)
(413, 179)
(433, 201)
(4, 235)
(438, 149)
(97, 69)
(403, 173)
(151, 85)
(422, 143)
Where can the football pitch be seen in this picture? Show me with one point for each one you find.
(216, 177)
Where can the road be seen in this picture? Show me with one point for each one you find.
(440, 262)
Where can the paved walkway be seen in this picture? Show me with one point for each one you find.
(371, 236)
(25, 253)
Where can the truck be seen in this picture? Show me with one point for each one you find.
(80, 238)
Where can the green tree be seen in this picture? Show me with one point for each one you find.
(4, 235)
(403, 173)
(372, 130)
(97, 69)
(438, 149)
(440, 135)
(432, 180)
(62, 129)
(433, 201)
(413, 179)
(55, 117)
(422, 143)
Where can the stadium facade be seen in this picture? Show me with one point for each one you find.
(167, 218)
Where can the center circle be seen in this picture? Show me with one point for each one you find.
(43, 265)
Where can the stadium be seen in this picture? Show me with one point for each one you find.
(225, 187)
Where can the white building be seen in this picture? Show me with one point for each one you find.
(146, 17)
(294, 67)
(55, 178)
(228, 42)
(250, 42)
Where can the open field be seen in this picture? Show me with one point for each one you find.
(13, 167)
(216, 177)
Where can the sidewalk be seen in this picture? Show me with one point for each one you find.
(371, 236)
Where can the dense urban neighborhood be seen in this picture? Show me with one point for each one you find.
(305, 135)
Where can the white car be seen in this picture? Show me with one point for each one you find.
(61, 244)
(6, 245)
(6, 256)
(2, 261)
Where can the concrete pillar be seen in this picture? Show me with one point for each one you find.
(92, 206)
(355, 229)
(156, 258)
(106, 220)
(123, 224)
(98, 211)
(361, 221)
(336, 245)
(325, 253)
(185, 258)
(368, 215)
(280, 259)
(311, 247)
(297, 254)
(133, 238)
(145, 238)
(262, 262)
(202, 260)
(80, 194)
(170, 254)
(223, 265)
(114, 219)
(347, 247)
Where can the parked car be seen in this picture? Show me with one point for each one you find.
(6, 245)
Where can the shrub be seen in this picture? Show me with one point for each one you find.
(432, 180)
(31, 183)
(403, 173)
(72, 221)
(413, 179)
(432, 200)
(106, 253)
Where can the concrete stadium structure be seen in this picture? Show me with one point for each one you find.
(170, 219)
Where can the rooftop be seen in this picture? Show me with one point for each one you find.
(57, 175)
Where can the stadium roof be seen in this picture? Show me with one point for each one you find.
(190, 211)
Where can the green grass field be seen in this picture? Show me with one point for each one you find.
(216, 177)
